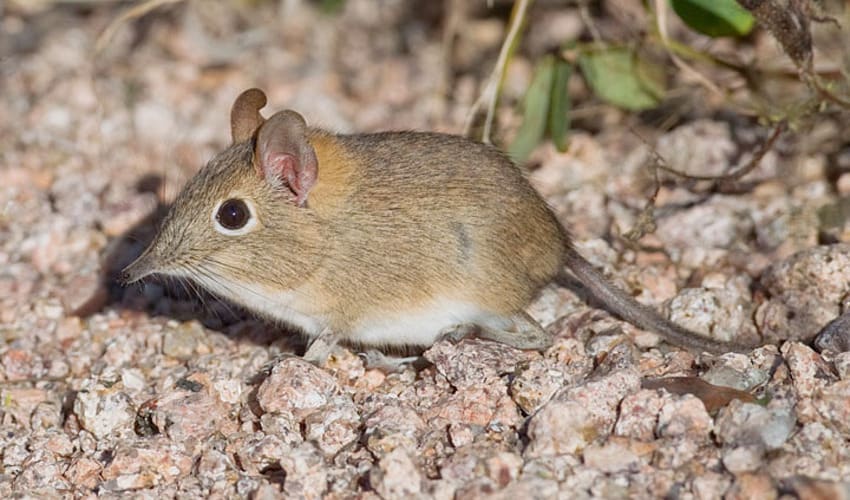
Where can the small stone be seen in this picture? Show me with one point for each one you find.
(478, 406)
(842, 365)
(14, 454)
(684, 416)
(747, 458)
(133, 379)
(297, 387)
(69, 328)
(145, 464)
(229, 391)
(128, 482)
(561, 427)
(748, 486)
(391, 427)
(473, 361)
(396, 476)
(306, 473)
(333, 426)
(602, 396)
(84, 472)
(584, 413)
(617, 455)
(21, 402)
(17, 365)
(182, 342)
(808, 487)
(735, 370)
(537, 381)
(185, 415)
(809, 371)
(266, 491)
(462, 435)
(214, 465)
(40, 473)
(833, 404)
(719, 314)
(103, 411)
(719, 223)
(710, 485)
(59, 444)
(639, 414)
(503, 467)
(258, 451)
(700, 147)
(673, 453)
(741, 424)
(835, 336)
(283, 426)
(806, 290)
(535, 384)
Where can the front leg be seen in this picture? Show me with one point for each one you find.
(321, 347)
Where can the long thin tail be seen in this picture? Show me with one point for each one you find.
(627, 308)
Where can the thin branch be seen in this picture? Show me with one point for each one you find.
(131, 13)
(490, 94)
(738, 172)
(661, 11)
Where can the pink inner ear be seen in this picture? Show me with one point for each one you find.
(280, 167)
(283, 167)
(284, 155)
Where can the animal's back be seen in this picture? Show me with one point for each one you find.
(437, 219)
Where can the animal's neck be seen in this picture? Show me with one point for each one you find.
(337, 175)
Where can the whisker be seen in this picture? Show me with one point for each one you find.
(230, 267)
(219, 300)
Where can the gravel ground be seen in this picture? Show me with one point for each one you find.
(158, 391)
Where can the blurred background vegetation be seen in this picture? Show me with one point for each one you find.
(584, 64)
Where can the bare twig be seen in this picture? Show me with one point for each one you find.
(587, 19)
(131, 13)
(490, 94)
(661, 11)
(736, 173)
(646, 219)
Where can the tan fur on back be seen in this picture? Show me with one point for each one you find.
(428, 215)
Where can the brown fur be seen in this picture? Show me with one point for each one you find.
(394, 220)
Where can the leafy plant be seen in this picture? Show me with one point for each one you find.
(715, 18)
(545, 108)
(618, 76)
(622, 76)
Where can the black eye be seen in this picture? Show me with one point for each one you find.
(233, 214)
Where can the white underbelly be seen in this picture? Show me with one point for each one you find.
(422, 326)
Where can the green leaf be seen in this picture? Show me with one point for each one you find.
(535, 111)
(618, 76)
(331, 6)
(559, 109)
(714, 18)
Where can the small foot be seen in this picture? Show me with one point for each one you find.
(374, 359)
(520, 331)
(456, 333)
(322, 347)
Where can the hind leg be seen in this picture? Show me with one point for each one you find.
(375, 359)
(520, 331)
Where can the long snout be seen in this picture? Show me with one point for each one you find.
(140, 268)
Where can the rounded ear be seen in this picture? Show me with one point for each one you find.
(284, 156)
(245, 117)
